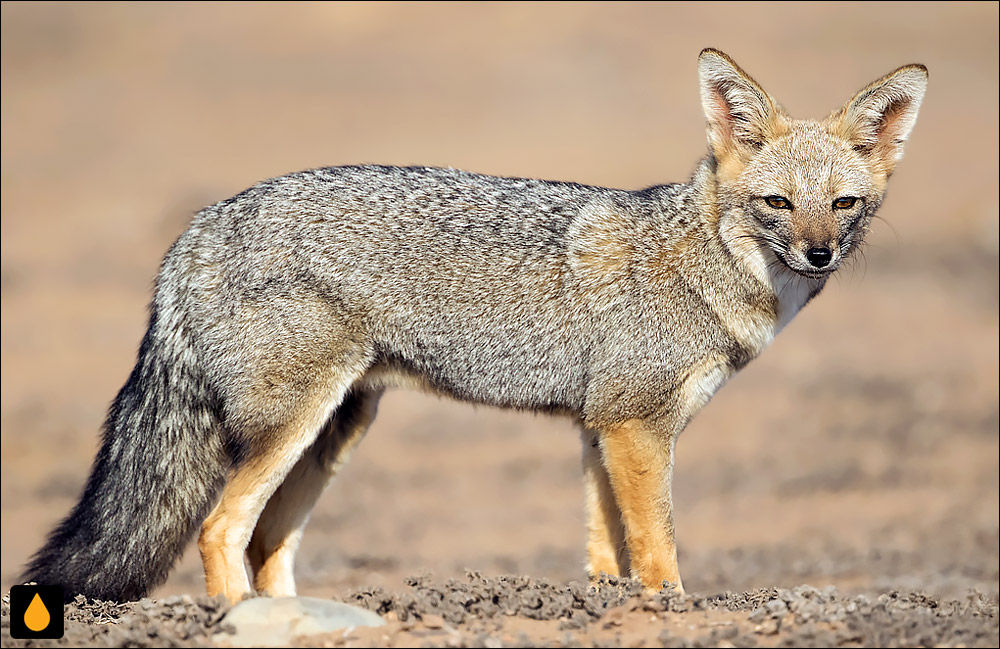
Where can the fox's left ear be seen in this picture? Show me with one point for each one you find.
(741, 116)
(878, 119)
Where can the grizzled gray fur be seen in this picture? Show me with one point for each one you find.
(282, 314)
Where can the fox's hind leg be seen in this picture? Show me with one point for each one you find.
(606, 550)
(283, 362)
(276, 538)
(270, 455)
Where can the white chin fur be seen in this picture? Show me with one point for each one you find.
(792, 289)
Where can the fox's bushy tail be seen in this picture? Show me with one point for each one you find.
(161, 464)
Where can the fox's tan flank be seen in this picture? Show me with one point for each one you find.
(282, 314)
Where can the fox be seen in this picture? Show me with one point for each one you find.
(281, 316)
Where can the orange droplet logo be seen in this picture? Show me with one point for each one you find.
(37, 616)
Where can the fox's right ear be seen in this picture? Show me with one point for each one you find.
(878, 119)
(741, 116)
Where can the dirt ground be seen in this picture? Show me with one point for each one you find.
(842, 490)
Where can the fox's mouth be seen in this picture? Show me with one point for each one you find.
(811, 273)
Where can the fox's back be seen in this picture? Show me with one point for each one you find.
(416, 259)
(419, 259)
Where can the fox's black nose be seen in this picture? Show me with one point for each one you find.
(819, 257)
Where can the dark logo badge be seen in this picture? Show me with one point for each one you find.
(36, 612)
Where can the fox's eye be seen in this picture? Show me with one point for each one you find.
(778, 202)
(844, 203)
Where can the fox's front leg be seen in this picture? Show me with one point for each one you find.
(638, 456)
(606, 550)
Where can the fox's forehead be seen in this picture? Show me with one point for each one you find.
(810, 165)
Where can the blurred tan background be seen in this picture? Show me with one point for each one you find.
(860, 450)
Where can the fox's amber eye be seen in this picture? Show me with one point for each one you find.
(844, 203)
(778, 203)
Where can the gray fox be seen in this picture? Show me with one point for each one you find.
(282, 314)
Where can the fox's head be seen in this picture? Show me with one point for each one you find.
(799, 195)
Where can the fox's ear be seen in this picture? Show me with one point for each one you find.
(741, 116)
(878, 119)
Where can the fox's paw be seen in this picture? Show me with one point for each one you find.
(667, 591)
(625, 586)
